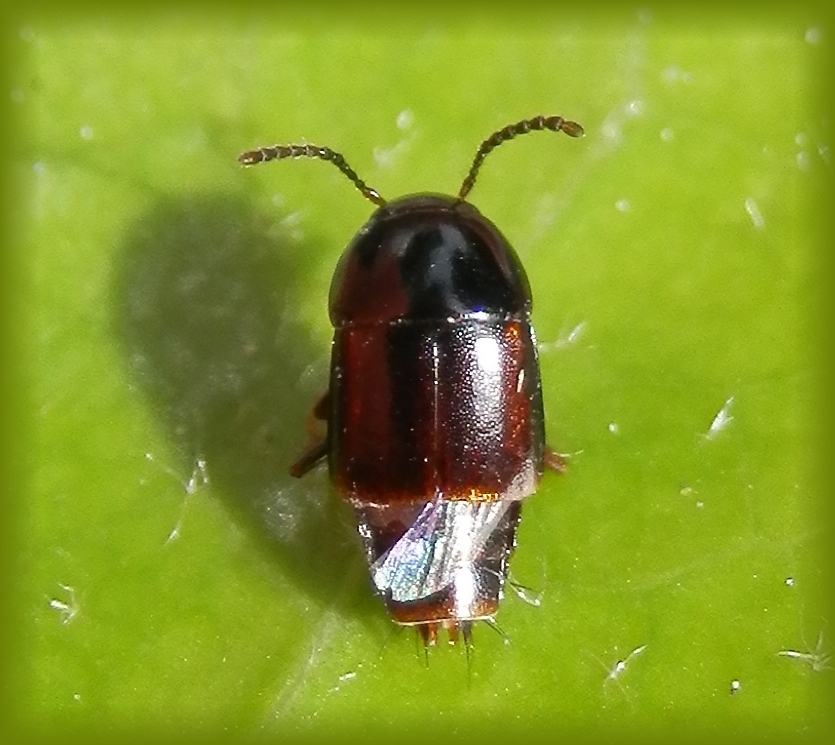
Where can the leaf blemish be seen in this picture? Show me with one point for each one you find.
(722, 419)
(68, 609)
(198, 479)
(818, 659)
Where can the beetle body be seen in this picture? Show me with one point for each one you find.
(434, 411)
(435, 429)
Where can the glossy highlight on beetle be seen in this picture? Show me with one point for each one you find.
(435, 426)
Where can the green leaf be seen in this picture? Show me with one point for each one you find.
(172, 576)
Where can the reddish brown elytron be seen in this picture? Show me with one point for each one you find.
(435, 428)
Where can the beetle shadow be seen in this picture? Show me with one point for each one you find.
(203, 310)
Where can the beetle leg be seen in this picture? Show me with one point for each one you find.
(428, 632)
(309, 458)
(319, 447)
(554, 460)
(321, 409)
(453, 628)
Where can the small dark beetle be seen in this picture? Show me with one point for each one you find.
(435, 428)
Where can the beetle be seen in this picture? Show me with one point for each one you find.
(435, 424)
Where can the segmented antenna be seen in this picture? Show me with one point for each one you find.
(279, 152)
(554, 123)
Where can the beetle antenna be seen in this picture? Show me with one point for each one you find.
(554, 123)
(279, 152)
